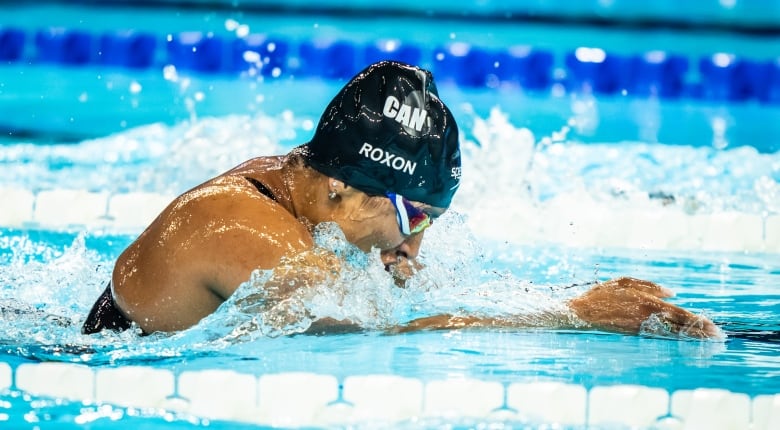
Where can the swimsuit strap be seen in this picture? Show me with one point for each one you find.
(261, 187)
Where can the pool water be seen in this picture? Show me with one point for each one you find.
(559, 190)
(58, 271)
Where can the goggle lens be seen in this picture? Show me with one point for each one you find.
(411, 220)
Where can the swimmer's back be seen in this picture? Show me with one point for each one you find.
(203, 246)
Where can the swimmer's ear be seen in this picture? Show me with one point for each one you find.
(338, 190)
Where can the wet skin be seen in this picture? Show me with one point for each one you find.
(208, 241)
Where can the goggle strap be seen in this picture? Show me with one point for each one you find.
(403, 216)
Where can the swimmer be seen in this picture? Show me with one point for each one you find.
(383, 164)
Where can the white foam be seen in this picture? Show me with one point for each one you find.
(730, 231)
(517, 186)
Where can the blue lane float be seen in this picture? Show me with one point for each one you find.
(261, 53)
(726, 77)
(657, 73)
(594, 70)
(11, 44)
(771, 91)
(330, 59)
(196, 51)
(392, 49)
(463, 64)
(128, 49)
(529, 68)
(64, 46)
(718, 77)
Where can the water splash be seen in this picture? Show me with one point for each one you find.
(152, 158)
(59, 285)
(505, 167)
(500, 159)
(45, 290)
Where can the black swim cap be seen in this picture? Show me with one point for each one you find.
(387, 131)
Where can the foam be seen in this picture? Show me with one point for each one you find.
(298, 399)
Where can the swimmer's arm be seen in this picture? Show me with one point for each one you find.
(329, 325)
(302, 271)
(624, 305)
(401, 271)
(620, 305)
(307, 270)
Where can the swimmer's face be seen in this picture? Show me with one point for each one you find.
(372, 222)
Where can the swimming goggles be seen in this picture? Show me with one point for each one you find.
(411, 220)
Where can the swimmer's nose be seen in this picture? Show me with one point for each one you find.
(408, 249)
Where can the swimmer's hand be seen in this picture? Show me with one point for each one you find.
(628, 305)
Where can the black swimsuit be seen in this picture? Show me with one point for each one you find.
(261, 187)
(106, 315)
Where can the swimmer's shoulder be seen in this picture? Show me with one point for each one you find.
(227, 216)
(228, 198)
(257, 166)
(251, 194)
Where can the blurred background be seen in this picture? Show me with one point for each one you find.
(609, 70)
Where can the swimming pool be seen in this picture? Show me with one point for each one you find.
(560, 189)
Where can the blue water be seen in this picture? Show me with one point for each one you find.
(61, 272)
(158, 135)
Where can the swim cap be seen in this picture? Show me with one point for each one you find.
(387, 131)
